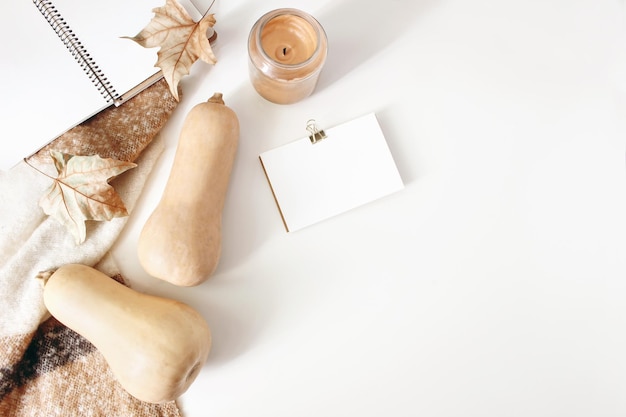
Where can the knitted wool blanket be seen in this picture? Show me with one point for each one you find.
(46, 369)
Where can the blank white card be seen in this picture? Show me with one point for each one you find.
(351, 166)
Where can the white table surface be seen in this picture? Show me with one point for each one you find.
(493, 285)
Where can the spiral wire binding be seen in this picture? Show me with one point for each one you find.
(77, 49)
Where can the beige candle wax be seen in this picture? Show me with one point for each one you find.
(287, 49)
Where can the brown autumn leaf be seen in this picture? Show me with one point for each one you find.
(181, 41)
(81, 191)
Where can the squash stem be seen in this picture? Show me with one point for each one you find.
(216, 98)
(44, 276)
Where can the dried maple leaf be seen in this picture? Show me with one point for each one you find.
(81, 191)
(181, 40)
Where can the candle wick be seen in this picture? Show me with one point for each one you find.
(284, 51)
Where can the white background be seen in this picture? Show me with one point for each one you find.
(493, 285)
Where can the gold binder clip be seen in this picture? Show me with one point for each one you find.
(315, 134)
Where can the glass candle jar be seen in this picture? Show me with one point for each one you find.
(287, 49)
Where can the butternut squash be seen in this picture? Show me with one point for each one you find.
(181, 240)
(154, 346)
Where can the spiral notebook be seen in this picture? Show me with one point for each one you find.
(330, 171)
(64, 61)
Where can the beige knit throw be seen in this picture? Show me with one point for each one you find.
(47, 369)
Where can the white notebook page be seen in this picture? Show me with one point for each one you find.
(124, 62)
(44, 91)
(350, 167)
